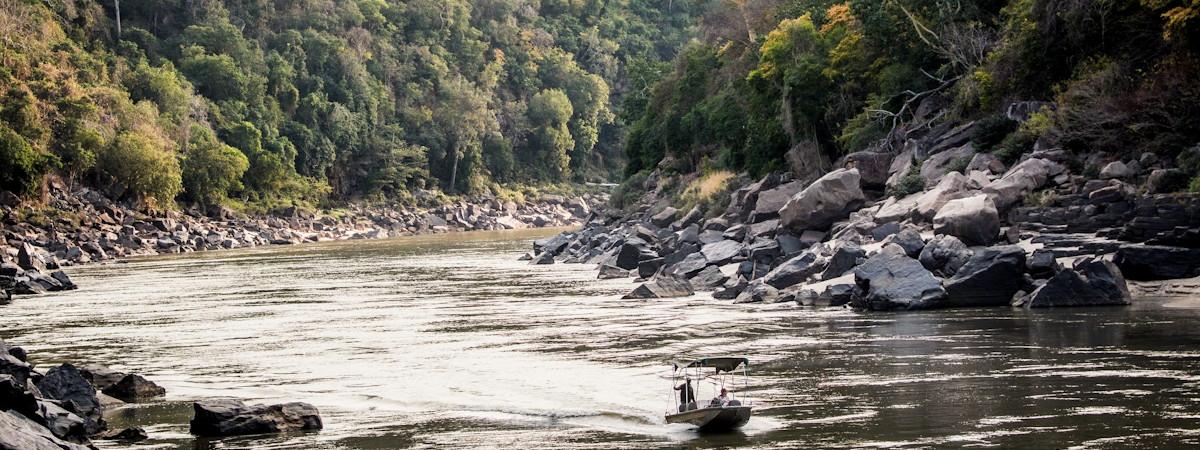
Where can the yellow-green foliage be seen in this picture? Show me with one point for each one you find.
(709, 192)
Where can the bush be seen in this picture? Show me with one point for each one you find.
(629, 191)
(21, 166)
(992, 131)
(911, 183)
(143, 168)
(211, 169)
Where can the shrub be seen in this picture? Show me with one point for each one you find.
(992, 131)
(910, 183)
(21, 166)
(143, 168)
(211, 169)
(629, 191)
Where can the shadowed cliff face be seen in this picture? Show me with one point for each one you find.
(448, 341)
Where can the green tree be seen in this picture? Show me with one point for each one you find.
(142, 167)
(211, 169)
(21, 167)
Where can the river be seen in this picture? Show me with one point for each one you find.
(448, 341)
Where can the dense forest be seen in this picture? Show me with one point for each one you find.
(262, 102)
(832, 77)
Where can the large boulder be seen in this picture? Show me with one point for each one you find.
(12, 366)
(1116, 170)
(872, 167)
(843, 257)
(664, 217)
(632, 253)
(825, 201)
(18, 432)
(134, 388)
(1028, 176)
(65, 384)
(944, 255)
(16, 397)
(891, 280)
(1093, 282)
(989, 278)
(758, 292)
(232, 418)
(62, 423)
(709, 279)
(722, 252)
(975, 220)
(772, 200)
(953, 186)
(937, 166)
(796, 270)
(1155, 262)
(662, 287)
(608, 272)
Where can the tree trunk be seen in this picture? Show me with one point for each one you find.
(117, 6)
(454, 172)
(785, 110)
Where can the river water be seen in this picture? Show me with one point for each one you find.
(448, 342)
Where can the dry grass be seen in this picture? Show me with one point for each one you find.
(707, 191)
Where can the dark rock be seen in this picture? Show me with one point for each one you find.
(731, 289)
(789, 245)
(543, 259)
(62, 423)
(1152, 262)
(12, 366)
(232, 418)
(1043, 264)
(649, 267)
(827, 200)
(765, 250)
(845, 256)
(662, 287)
(872, 167)
(553, 245)
(990, 278)
(908, 239)
(64, 281)
(891, 280)
(693, 217)
(101, 376)
(65, 384)
(836, 294)
(690, 265)
(18, 432)
(28, 259)
(722, 252)
(708, 279)
(134, 388)
(796, 270)
(633, 253)
(664, 217)
(758, 292)
(771, 201)
(134, 434)
(14, 396)
(734, 233)
(881, 232)
(608, 272)
(1099, 284)
(945, 255)
(1163, 181)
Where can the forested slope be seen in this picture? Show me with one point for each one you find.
(826, 78)
(268, 102)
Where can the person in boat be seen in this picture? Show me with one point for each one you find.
(721, 400)
(687, 396)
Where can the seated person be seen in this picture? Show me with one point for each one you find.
(721, 400)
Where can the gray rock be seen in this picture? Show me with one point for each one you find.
(664, 217)
(632, 253)
(65, 384)
(61, 423)
(872, 167)
(12, 366)
(772, 200)
(543, 258)
(128, 435)
(796, 270)
(1162, 181)
(1100, 284)
(608, 272)
(990, 278)
(986, 162)
(1028, 176)
(134, 388)
(1042, 264)
(758, 292)
(945, 255)
(891, 280)
(232, 418)
(1116, 170)
(18, 432)
(691, 265)
(974, 220)
(845, 256)
(881, 232)
(1155, 262)
(722, 252)
(709, 279)
(14, 396)
(29, 258)
(662, 287)
(825, 201)
(937, 166)
(649, 267)
(953, 186)
(908, 239)
(836, 294)
(732, 289)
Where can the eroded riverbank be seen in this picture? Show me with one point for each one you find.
(447, 340)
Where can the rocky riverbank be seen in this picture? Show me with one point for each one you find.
(82, 226)
(1054, 229)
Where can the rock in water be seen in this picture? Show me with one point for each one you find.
(975, 220)
(891, 280)
(1093, 282)
(18, 432)
(65, 384)
(990, 278)
(796, 270)
(134, 388)
(662, 287)
(135, 434)
(542, 259)
(608, 272)
(232, 418)
(827, 200)
(62, 423)
(1154, 262)
(945, 255)
(101, 376)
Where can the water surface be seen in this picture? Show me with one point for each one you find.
(448, 341)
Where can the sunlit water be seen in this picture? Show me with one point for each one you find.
(448, 341)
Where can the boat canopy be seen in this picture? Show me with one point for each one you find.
(722, 364)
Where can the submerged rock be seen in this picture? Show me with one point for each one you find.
(65, 384)
(134, 388)
(233, 417)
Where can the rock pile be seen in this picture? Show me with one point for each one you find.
(837, 240)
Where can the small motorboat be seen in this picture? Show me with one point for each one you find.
(715, 374)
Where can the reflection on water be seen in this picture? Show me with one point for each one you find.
(448, 341)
